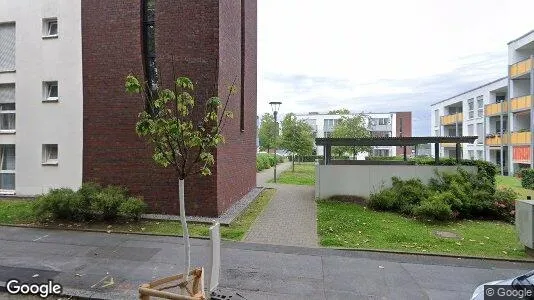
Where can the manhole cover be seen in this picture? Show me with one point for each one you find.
(447, 234)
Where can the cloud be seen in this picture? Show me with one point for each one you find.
(302, 93)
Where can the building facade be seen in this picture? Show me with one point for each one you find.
(500, 113)
(65, 118)
(380, 124)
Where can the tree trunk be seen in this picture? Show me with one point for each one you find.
(293, 162)
(185, 229)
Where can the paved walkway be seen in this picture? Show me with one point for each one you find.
(290, 217)
(111, 266)
(263, 177)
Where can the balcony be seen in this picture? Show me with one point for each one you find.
(521, 154)
(452, 119)
(496, 109)
(521, 103)
(521, 138)
(385, 127)
(521, 68)
(496, 140)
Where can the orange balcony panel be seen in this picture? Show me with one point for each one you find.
(521, 154)
(521, 103)
(452, 119)
(497, 140)
(520, 138)
(496, 108)
(521, 68)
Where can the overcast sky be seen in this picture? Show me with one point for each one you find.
(382, 56)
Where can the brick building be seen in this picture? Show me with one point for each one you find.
(74, 121)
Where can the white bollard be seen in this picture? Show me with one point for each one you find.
(215, 256)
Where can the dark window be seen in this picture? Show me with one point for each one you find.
(149, 42)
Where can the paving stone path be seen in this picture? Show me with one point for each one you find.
(290, 217)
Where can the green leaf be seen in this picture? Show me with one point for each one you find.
(132, 85)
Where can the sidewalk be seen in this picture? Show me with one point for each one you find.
(264, 176)
(290, 217)
(81, 261)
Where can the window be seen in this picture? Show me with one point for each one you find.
(471, 154)
(480, 106)
(498, 126)
(470, 130)
(480, 154)
(436, 117)
(51, 91)
(50, 154)
(436, 132)
(480, 133)
(50, 28)
(7, 47)
(7, 108)
(471, 106)
(383, 121)
(7, 171)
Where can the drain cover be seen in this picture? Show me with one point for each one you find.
(219, 296)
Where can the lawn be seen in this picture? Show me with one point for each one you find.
(354, 226)
(304, 174)
(18, 212)
(515, 184)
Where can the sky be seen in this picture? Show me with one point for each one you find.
(382, 56)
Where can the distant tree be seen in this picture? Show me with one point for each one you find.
(267, 134)
(351, 127)
(297, 137)
(341, 111)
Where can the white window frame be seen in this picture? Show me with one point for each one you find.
(480, 106)
(47, 26)
(471, 108)
(3, 191)
(46, 91)
(9, 112)
(46, 161)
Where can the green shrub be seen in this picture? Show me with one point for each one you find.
(280, 158)
(504, 204)
(272, 160)
(527, 178)
(107, 202)
(89, 190)
(61, 204)
(132, 208)
(262, 161)
(384, 200)
(434, 208)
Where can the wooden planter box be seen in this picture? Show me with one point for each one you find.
(175, 288)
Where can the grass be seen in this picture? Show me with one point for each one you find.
(354, 226)
(18, 212)
(304, 174)
(515, 184)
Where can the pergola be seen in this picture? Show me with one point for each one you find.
(394, 141)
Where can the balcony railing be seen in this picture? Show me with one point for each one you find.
(521, 138)
(521, 68)
(521, 103)
(496, 140)
(452, 119)
(496, 109)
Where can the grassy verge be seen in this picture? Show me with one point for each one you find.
(515, 184)
(354, 226)
(19, 212)
(304, 174)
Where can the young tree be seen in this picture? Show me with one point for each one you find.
(180, 141)
(341, 111)
(297, 137)
(351, 127)
(267, 133)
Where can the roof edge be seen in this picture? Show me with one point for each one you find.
(517, 39)
(473, 89)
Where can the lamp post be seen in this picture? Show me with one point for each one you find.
(275, 106)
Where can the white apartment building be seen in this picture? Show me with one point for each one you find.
(501, 113)
(463, 115)
(380, 125)
(40, 95)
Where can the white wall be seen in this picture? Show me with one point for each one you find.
(363, 180)
(38, 123)
(515, 55)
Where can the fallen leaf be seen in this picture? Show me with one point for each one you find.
(109, 231)
(380, 267)
(35, 275)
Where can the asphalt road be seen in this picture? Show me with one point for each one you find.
(112, 266)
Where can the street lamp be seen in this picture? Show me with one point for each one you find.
(275, 106)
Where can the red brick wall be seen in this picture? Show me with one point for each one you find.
(406, 118)
(237, 157)
(187, 31)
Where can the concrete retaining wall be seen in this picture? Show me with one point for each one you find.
(363, 180)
